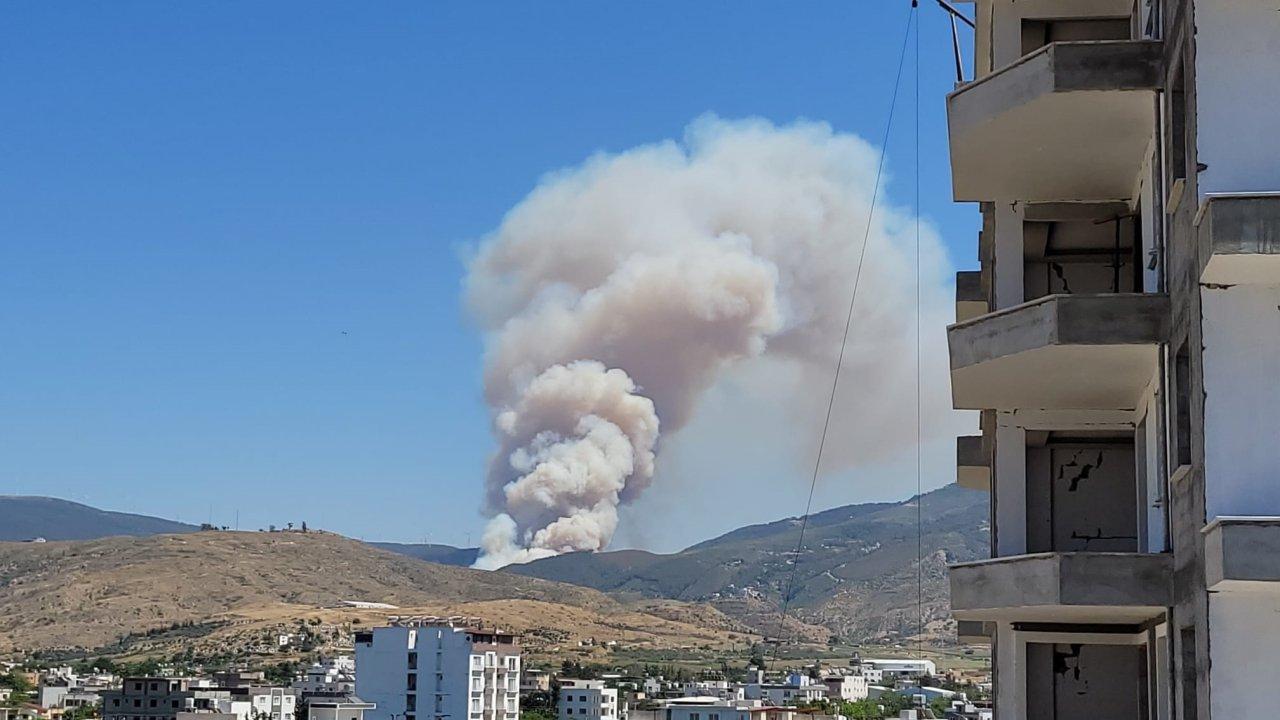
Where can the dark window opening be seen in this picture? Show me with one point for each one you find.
(1182, 410)
(1177, 152)
(1190, 695)
(1038, 33)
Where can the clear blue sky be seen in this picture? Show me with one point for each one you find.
(230, 232)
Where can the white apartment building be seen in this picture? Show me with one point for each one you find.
(849, 688)
(588, 699)
(1120, 340)
(264, 703)
(434, 669)
(894, 669)
(336, 676)
(703, 709)
(337, 708)
(798, 690)
(719, 689)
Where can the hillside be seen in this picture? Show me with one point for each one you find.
(30, 517)
(235, 592)
(856, 573)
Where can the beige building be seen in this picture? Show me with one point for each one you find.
(1122, 342)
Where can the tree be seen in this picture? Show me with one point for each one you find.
(16, 681)
(81, 712)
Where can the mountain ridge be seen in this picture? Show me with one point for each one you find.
(31, 517)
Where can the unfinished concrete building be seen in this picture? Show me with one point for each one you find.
(1122, 341)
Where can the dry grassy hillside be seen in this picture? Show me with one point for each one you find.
(234, 591)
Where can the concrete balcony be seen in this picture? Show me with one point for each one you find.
(973, 466)
(1089, 587)
(1060, 352)
(1070, 121)
(1240, 553)
(971, 302)
(1240, 239)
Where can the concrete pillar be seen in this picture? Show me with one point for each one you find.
(1010, 289)
(1009, 482)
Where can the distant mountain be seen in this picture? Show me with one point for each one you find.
(24, 517)
(222, 593)
(856, 574)
(431, 552)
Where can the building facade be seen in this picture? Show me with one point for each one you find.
(849, 688)
(158, 698)
(588, 699)
(438, 670)
(1122, 342)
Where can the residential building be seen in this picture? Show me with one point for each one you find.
(266, 703)
(338, 708)
(335, 676)
(239, 678)
(798, 690)
(438, 669)
(704, 709)
(532, 681)
(1121, 343)
(849, 688)
(895, 669)
(719, 689)
(588, 699)
(157, 698)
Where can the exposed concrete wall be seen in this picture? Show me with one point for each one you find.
(1008, 254)
(1245, 653)
(1010, 665)
(1010, 481)
(1081, 498)
(1007, 17)
(1069, 681)
(1150, 446)
(1238, 87)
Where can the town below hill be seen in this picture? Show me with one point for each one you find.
(388, 667)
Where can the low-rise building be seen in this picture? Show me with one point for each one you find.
(849, 688)
(346, 708)
(893, 669)
(267, 703)
(797, 690)
(721, 689)
(157, 698)
(532, 681)
(336, 676)
(588, 700)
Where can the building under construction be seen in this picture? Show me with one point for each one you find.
(1122, 340)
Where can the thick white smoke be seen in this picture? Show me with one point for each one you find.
(618, 292)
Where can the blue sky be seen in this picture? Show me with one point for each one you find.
(231, 232)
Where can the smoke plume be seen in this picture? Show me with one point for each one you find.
(618, 292)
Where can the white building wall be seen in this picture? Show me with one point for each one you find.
(382, 669)
(1238, 95)
(474, 683)
(1241, 336)
(1244, 652)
